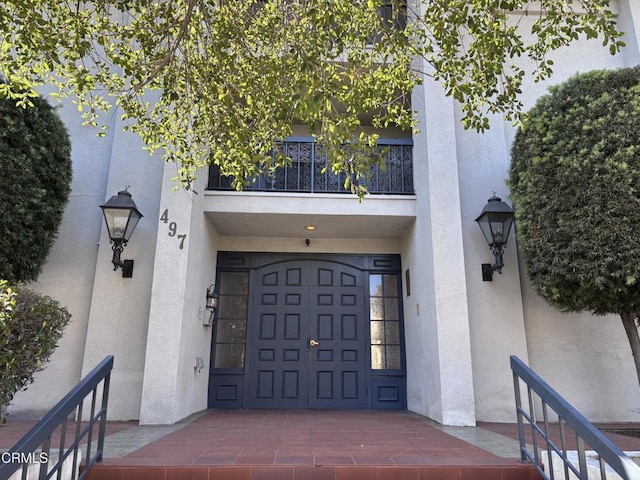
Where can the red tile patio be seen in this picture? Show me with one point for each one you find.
(312, 438)
(305, 445)
(299, 445)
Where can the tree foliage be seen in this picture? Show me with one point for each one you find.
(575, 183)
(212, 81)
(35, 161)
(30, 327)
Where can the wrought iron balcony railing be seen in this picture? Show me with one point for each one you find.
(308, 160)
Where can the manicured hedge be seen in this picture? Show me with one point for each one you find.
(35, 173)
(575, 183)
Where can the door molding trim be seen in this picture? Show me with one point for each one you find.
(364, 262)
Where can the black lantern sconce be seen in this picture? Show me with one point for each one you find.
(212, 303)
(121, 216)
(495, 222)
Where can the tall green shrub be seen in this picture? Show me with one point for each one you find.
(35, 177)
(35, 173)
(30, 326)
(575, 183)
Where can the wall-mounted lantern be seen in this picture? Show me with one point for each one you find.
(121, 216)
(495, 222)
(212, 303)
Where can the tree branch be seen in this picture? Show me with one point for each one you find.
(170, 53)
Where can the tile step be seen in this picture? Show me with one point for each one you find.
(433, 472)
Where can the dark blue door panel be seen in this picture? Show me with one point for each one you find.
(337, 364)
(277, 353)
(307, 340)
(308, 335)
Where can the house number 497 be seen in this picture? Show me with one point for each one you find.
(173, 228)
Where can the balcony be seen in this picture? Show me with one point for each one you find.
(308, 160)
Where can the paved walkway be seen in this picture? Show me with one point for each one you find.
(308, 437)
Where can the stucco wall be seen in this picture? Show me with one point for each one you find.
(495, 308)
(586, 358)
(109, 313)
(439, 376)
(68, 275)
(183, 268)
(120, 306)
(196, 339)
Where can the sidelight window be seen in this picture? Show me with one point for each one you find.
(384, 314)
(231, 322)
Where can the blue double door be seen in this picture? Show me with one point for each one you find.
(307, 343)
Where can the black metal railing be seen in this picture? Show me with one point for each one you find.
(310, 171)
(550, 437)
(35, 449)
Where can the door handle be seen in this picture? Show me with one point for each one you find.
(313, 343)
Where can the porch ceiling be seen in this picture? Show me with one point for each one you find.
(334, 216)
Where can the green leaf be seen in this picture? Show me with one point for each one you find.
(229, 79)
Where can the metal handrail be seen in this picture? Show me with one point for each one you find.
(568, 416)
(39, 437)
(309, 170)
